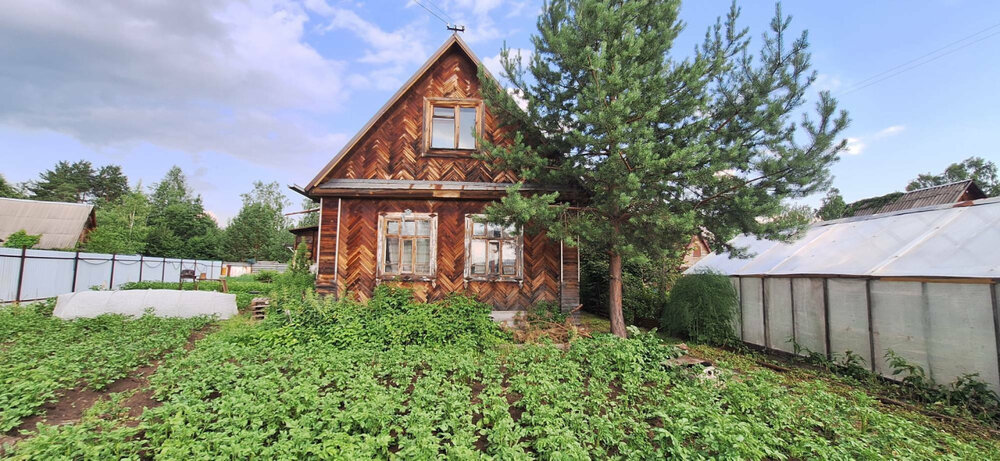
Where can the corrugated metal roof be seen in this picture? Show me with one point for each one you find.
(60, 224)
(937, 241)
(934, 195)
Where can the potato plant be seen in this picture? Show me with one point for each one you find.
(40, 354)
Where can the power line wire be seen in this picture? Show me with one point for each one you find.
(432, 12)
(906, 66)
(437, 7)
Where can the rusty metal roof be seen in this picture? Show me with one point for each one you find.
(59, 223)
(934, 195)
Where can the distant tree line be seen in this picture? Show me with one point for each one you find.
(168, 219)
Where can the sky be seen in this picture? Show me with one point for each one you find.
(238, 91)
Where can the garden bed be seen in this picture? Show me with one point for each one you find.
(261, 390)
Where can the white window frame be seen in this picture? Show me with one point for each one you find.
(470, 220)
(380, 253)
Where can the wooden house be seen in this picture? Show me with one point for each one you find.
(399, 203)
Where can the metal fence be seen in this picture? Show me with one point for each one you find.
(950, 327)
(30, 275)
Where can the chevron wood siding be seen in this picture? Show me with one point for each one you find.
(327, 244)
(358, 247)
(392, 147)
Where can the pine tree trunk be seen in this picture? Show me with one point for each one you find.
(615, 289)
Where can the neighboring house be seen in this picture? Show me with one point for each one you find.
(959, 191)
(697, 248)
(61, 225)
(309, 235)
(399, 203)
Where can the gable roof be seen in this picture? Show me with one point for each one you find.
(935, 195)
(454, 40)
(59, 223)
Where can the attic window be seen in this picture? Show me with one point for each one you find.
(452, 125)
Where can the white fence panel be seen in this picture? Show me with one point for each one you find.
(810, 323)
(46, 274)
(171, 270)
(778, 293)
(94, 270)
(961, 336)
(152, 269)
(126, 270)
(848, 304)
(10, 266)
(753, 310)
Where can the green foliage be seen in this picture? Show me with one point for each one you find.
(40, 354)
(662, 148)
(643, 281)
(260, 230)
(22, 239)
(871, 204)
(300, 261)
(702, 307)
(179, 227)
(390, 318)
(978, 169)
(309, 219)
(264, 276)
(121, 225)
(968, 392)
(832, 207)
(8, 190)
(79, 182)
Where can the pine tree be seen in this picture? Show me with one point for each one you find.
(179, 225)
(660, 147)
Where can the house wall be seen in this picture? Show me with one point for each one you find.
(392, 147)
(356, 267)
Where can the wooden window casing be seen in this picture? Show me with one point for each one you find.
(458, 107)
(400, 239)
(492, 252)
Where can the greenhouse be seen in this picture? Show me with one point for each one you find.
(920, 282)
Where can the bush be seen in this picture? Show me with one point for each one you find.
(701, 307)
(264, 276)
(642, 297)
(390, 318)
(22, 239)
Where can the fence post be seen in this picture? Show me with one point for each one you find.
(163, 269)
(20, 275)
(179, 269)
(739, 281)
(826, 317)
(996, 320)
(791, 295)
(76, 265)
(111, 282)
(871, 328)
(140, 268)
(763, 305)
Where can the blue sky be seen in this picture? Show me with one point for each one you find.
(236, 91)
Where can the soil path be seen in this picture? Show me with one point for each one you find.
(73, 403)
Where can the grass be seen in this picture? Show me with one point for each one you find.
(238, 395)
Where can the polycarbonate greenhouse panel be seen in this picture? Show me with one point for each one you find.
(939, 241)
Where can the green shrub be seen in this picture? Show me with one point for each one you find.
(642, 297)
(22, 239)
(390, 318)
(264, 276)
(701, 307)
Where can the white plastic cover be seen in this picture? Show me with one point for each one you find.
(807, 303)
(849, 318)
(942, 241)
(165, 303)
(753, 310)
(779, 313)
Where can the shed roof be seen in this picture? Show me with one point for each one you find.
(936, 241)
(59, 223)
(935, 195)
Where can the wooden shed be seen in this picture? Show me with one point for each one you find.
(401, 202)
(309, 235)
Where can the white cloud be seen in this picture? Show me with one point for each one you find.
(889, 131)
(827, 82)
(855, 146)
(236, 78)
(496, 68)
(392, 52)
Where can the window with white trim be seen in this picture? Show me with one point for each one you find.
(407, 245)
(492, 251)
